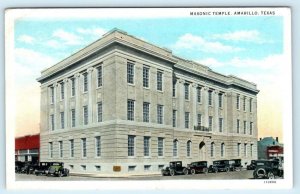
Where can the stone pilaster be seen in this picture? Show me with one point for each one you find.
(90, 100)
(77, 77)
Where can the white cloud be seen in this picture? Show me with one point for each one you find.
(98, 32)
(67, 37)
(26, 39)
(53, 43)
(242, 35)
(192, 42)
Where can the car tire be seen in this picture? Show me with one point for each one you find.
(226, 169)
(172, 172)
(59, 174)
(261, 173)
(185, 171)
(193, 171)
(271, 175)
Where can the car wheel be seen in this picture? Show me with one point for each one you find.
(185, 171)
(261, 173)
(271, 175)
(59, 174)
(193, 171)
(172, 172)
(227, 169)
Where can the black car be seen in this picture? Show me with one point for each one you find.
(268, 169)
(235, 164)
(198, 167)
(42, 168)
(174, 168)
(57, 169)
(252, 165)
(219, 166)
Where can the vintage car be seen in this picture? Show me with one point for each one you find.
(198, 167)
(219, 166)
(235, 164)
(42, 168)
(57, 169)
(174, 168)
(268, 169)
(252, 165)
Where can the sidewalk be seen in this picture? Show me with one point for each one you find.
(114, 175)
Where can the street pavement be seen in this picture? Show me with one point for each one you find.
(244, 174)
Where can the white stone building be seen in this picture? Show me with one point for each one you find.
(124, 106)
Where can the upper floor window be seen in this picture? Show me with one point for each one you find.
(210, 93)
(52, 126)
(210, 123)
(52, 94)
(131, 145)
(159, 80)
(85, 82)
(146, 146)
(146, 77)
(99, 111)
(245, 127)
(146, 110)
(174, 118)
(199, 119)
(238, 102)
(186, 91)
(62, 90)
(62, 120)
(130, 110)
(250, 105)
(160, 114)
(174, 89)
(220, 124)
(73, 118)
(130, 72)
(99, 76)
(220, 100)
(244, 104)
(251, 128)
(198, 94)
(238, 125)
(85, 115)
(187, 119)
(73, 87)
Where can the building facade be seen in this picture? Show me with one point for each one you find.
(27, 148)
(125, 106)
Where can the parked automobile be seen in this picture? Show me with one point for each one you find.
(219, 166)
(42, 168)
(18, 166)
(174, 168)
(267, 169)
(198, 167)
(252, 165)
(57, 169)
(235, 164)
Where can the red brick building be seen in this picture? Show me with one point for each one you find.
(27, 148)
(275, 151)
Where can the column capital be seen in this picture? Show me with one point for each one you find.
(90, 69)
(181, 81)
(66, 80)
(194, 85)
(77, 75)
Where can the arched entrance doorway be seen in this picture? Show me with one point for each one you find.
(202, 151)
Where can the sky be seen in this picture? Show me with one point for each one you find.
(248, 47)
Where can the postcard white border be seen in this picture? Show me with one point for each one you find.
(12, 15)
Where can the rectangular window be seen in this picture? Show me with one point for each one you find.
(85, 115)
(62, 120)
(174, 118)
(244, 104)
(210, 93)
(245, 150)
(62, 90)
(130, 72)
(83, 167)
(186, 91)
(99, 111)
(199, 120)
(130, 110)
(50, 149)
(83, 147)
(146, 77)
(220, 124)
(61, 153)
(98, 168)
(210, 123)
(159, 81)
(73, 118)
(220, 100)
(186, 120)
(222, 149)
(52, 122)
(161, 166)
(98, 146)
(160, 146)
(52, 94)
(251, 128)
(212, 149)
(99, 76)
(71, 148)
(250, 105)
(251, 150)
(198, 94)
(147, 167)
(188, 148)
(146, 146)
(73, 87)
(131, 145)
(238, 102)
(160, 114)
(146, 108)
(238, 126)
(131, 168)
(175, 148)
(239, 149)
(85, 82)
(245, 127)
(174, 89)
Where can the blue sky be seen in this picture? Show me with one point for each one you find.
(248, 47)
